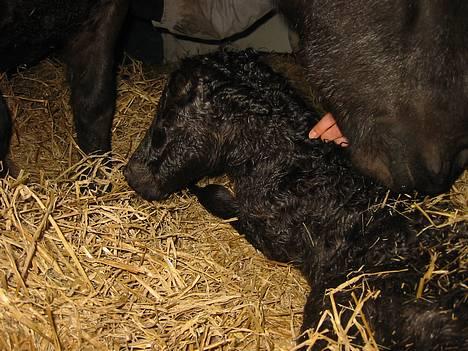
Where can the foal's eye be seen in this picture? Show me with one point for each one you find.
(158, 138)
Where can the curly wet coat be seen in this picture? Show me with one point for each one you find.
(297, 200)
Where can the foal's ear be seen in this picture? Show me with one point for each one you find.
(180, 88)
(158, 137)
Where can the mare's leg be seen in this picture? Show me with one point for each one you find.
(5, 135)
(91, 74)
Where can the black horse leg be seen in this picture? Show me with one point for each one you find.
(90, 62)
(5, 135)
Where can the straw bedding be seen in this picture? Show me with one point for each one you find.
(109, 271)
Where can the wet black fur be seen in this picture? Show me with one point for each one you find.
(298, 200)
(394, 73)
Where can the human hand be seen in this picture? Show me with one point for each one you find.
(327, 130)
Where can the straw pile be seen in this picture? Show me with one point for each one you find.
(108, 271)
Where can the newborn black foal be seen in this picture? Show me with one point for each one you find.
(298, 200)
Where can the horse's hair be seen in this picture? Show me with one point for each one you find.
(299, 200)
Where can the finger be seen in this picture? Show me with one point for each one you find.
(323, 125)
(334, 134)
(331, 133)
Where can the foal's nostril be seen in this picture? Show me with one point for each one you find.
(136, 172)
